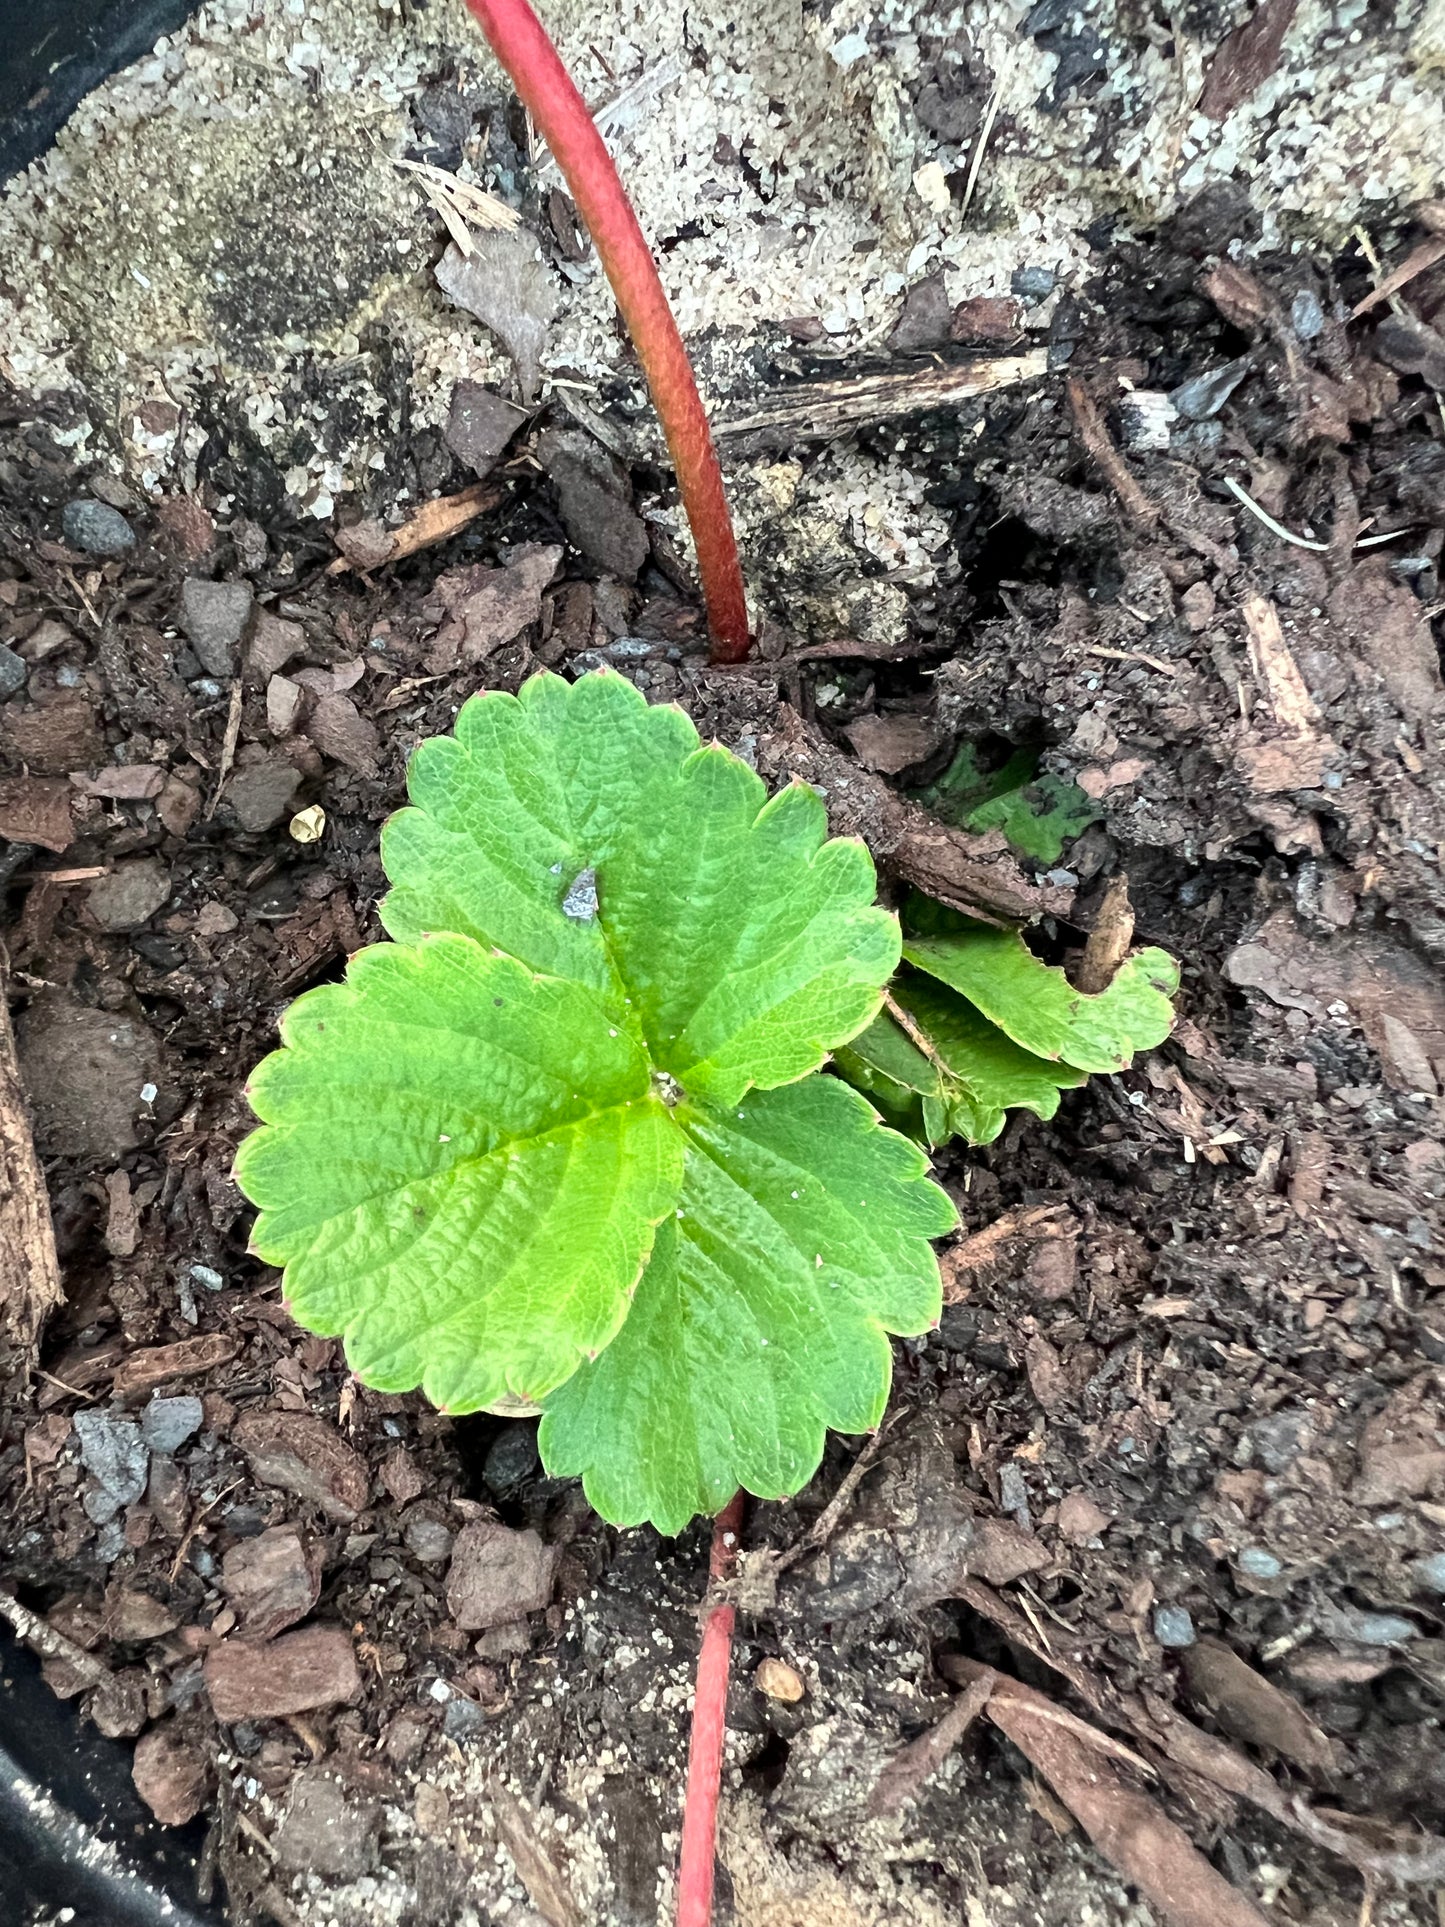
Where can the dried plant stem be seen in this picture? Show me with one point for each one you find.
(520, 42)
(709, 1719)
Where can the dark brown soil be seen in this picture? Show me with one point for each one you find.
(1204, 1382)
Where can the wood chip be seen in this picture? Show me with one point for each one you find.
(910, 1770)
(143, 1370)
(433, 522)
(1109, 940)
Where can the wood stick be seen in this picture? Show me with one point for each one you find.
(30, 1286)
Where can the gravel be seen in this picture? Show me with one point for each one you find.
(1173, 1627)
(116, 1457)
(96, 528)
(167, 1423)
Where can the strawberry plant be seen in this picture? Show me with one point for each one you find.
(566, 1139)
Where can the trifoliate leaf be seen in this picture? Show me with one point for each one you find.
(738, 942)
(799, 1242)
(1035, 1004)
(461, 1168)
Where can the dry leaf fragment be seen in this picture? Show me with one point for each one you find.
(508, 287)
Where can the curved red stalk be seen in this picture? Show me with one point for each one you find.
(709, 1720)
(520, 42)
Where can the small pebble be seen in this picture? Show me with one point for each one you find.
(1173, 1627)
(1259, 1564)
(511, 1457)
(1429, 1574)
(1306, 316)
(13, 673)
(167, 1423)
(1033, 284)
(96, 528)
(778, 1681)
(428, 1539)
(463, 1719)
(1202, 396)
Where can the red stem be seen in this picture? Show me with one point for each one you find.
(709, 1720)
(520, 42)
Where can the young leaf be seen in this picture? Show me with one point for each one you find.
(987, 1073)
(736, 940)
(1038, 818)
(799, 1242)
(461, 1169)
(1037, 814)
(1035, 1004)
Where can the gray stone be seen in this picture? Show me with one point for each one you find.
(258, 797)
(479, 425)
(1306, 316)
(14, 671)
(427, 1538)
(926, 317)
(1033, 284)
(1202, 396)
(130, 896)
(214, 616)
(116, 1457)
(95, 528)
(1429, 1574)
(1366, 1628)
(166, 1423)
(463, 1719)
(1278, 1440)
(594, 497)
(1173, 1627)
(325, 1829)
(511, 1457)
(1258, 1563)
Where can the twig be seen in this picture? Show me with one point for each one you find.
(30, 1284)
(1302, 541)
(709, 1720)
(41, 1637)
(909, 1026)
(910, 1769)
(1095, 438)
(990, 115)
(195, 1525)
(1126, 1825)
(1132, 655)
(811, 409)
(228, 747)
(1415, 262)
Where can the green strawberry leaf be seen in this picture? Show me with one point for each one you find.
(738, 942)
(799, 1242)
(1037, 814)
(461, 1168)
(475, 1152)
(1035, 1004)
(973, 1075)
(1037, 819)
(985, 1072)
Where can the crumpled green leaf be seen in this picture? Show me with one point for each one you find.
(1035, 1004)
(799, 1243)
